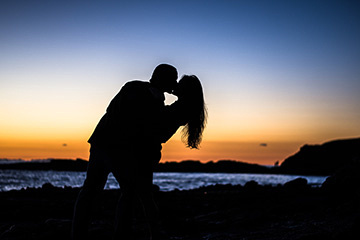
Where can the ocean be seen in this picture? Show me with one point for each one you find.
(167, 181)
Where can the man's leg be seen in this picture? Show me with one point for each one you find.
(94, 183)
(124, 172)
(145, 189)
(124, 215)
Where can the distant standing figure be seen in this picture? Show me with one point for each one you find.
(127, 142)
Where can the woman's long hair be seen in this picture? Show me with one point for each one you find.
(196, 111)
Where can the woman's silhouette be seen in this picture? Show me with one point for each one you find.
(188, 111)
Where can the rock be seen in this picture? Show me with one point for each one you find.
(155, 188)
(345, 181)
(251, 185)
(48, 186)
(297, 184)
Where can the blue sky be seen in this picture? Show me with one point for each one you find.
(271, 70)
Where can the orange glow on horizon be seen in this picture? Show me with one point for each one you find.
(174, 150)
(265, 145)
(44, 149)
(251, 152)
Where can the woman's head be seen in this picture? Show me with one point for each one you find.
(190, 92)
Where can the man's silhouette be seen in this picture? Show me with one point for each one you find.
(127, 143)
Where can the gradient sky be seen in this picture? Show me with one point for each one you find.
(283, 73)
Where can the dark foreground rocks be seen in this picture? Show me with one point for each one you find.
(293, 211)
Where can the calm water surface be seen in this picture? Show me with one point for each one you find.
(18, 179)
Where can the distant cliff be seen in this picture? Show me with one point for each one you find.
(50, 164)
(324, 159)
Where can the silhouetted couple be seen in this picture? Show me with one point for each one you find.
(127, 142)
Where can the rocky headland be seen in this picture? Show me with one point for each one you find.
(324, 159)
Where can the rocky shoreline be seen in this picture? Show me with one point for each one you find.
(293, 211)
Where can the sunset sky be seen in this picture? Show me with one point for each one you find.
(276, 74)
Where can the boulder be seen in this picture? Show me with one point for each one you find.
(297, 184)
(345, 181)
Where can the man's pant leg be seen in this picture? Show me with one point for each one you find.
(95, 181)
(123, 168)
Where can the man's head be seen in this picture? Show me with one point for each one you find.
(164, 77)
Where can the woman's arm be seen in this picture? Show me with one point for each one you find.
(173, 118)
